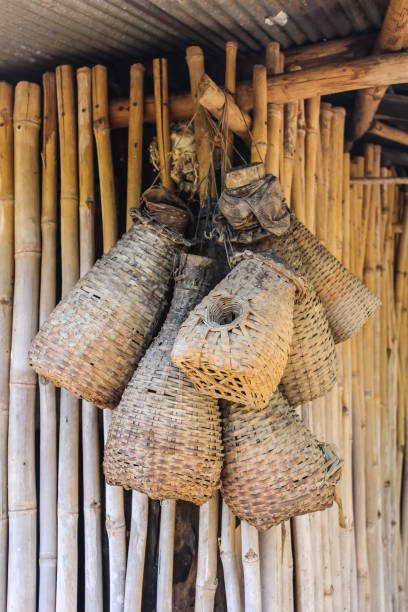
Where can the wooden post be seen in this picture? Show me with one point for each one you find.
(68, 464)
(195, 62)
(135, 140)
(90, 427)
(6, 309)
(206, 583)
(48, 416)
(21, 451)
(161, 98)
(115, 516)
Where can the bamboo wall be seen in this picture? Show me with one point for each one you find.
(66, 541)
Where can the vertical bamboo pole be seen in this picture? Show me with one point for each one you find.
(164, 596)
(90, 426)
(48, 417)
(231, 49)
(312, 110)
(298, 203)
(274, 114)
(206, 583)
(289, 148)
(195, 62)
(161, 103)
(135, 140)
(326, 117)
(115, 515)
(228, 551)
(259, 128)
(68, 464)
(6, 309)
(21, 450)
(229, 560)
(140, 505)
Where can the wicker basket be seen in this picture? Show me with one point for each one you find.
(347, 301)
(235, 344)
(92, 341)
(311, 370)
(165, 438)
(274, 468)
(166, 208)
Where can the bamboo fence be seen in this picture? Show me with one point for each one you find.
(351, 557)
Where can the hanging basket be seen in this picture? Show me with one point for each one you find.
(92, 341)
(311, 370)
(347, 301)
(274, 468)
(166, 208)
(235, 344)
(165, 437)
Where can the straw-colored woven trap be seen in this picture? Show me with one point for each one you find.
(274, 468)
(166, 208)
(165, 437)
(234, 345)
(92, 341)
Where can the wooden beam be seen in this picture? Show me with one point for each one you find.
(395, 105)
(393, 37)
(381, 70)
(396, 157)
(389, 133)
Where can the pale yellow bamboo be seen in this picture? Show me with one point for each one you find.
(231, 49)
(335, 229)
(326, 117)
(195, 62)
(274, 114)
(289, 147)
(161, 102)
(229, 560)
(259, 128)
(101, 131)
(164, 595)
(48, 416)
(115, 516)
(251, 567)
(206, 583)
(90, 427)
(6, 308)
(298, 203)
(312, 111)
(21, 441)
(135, 140)
(68, 464)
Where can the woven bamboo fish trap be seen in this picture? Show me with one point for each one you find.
(92, 341)
(274, 468)
(165, 437)
(311, 370)
(166, 208)
(235, 344)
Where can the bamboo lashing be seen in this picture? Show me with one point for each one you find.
(161, 96)
(90, 425)
(22, 502)
(48, 415)
(115, 516)
(140, 506)
(6, 309)
(195, 62)
(135, 140)
(68, 461)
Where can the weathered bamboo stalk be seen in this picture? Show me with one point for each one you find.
(206, 582)
(21, 450)
(195, 62)
(381, 180)
(289, 148)
(6, 309)
(161, 100)
(90, 427)
(229, 560)
(231, 49)
(326, 117)
(164, 596)
(393, 37)
(135, 140)
(136, 552)
(115, 515)
(401, 271)
(251, 567)
(312, 111)
(48, 416)
(259, 128)
(298, 204)
(68, 463)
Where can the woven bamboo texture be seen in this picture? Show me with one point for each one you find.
(347, 301)
(165, 437)
(92, 341)
(311, 370)
(166, 208)
(235, 344)
(274, 468)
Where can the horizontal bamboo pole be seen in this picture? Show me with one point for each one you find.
(388, 132)
(220, 103)
(318, 81)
